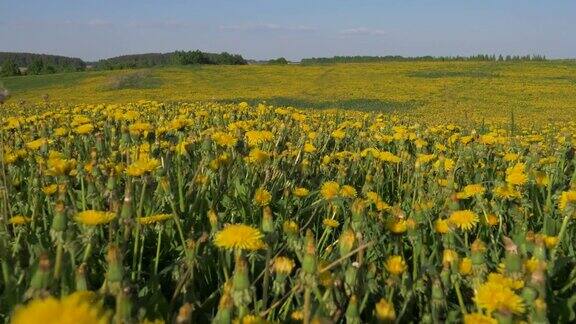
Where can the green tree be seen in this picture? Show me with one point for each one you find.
(9, 68)
(36, 67)
(278, 61)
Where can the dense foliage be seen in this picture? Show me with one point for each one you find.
(173, 58)
(198, 212)
(389, 58)
(42, 63)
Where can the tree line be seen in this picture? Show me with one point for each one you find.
(173, 58)
(368, 59)
(29, 63)
(12, 64)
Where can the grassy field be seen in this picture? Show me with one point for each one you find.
(205, 205)
(432, 91)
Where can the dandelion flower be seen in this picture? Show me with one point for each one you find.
(301, 192)
(153, 219)
(385, 311)
(330, 190)
(239, 236)
(396, 226)
(84, 129)
(331, 223)
(94, 217)
(464, 219)
(347, 191)
(465, 266)
(507, 192)
(515, 175)
(478, 318)
(395, 265)
(262, 197)
(441, 226)
(18, 220)
(283, 265)
(142, 166)
(567, 198)
(496, 295)
(79, 307)
(471, 191)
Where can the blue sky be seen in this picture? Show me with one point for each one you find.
(294, 29)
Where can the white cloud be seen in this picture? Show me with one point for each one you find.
(160, 24)
(363, 31)
(265, 27)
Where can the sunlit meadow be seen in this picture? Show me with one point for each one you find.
(221, 202)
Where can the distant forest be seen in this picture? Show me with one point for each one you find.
(367, 59)
(31, 64)
(12, 64)
(173, 58)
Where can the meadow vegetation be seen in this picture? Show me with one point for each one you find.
(384, 193)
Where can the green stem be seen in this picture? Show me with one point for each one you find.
(563, 228)
(158, 244)
(59, 255)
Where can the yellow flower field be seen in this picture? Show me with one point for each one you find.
(432, 91)
(177, 212)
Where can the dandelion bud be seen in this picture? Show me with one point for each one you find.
(385, 312)
(346, 242)
(114, 259)
(80, 278)
(267, 221)
(59, 222)
(352, 313)
(224, 314)
(185, 314)
(309, 262)
(41, 278)
(213, 219)
(241, 281)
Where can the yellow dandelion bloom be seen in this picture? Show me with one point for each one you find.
(492, 220)
(301, 192)
(142, 166)
(395, 265)
(338, 134)
(239, 236)
(389, 157)
(290, 227)
(396, 226)
(309, 148)
(262, 197)
(330, 190)
(441, 226)
(465, 266)
(478, 318)
(331, 223)
(283, 265)
(224, 139)
(449, 256)
(495, 296)
(385, 311)
(464, 219)
(153, 219)
(471, 191)
(347, 191)
(79, 307)
(94, 217)
(567, 198)
(507, 192)
(18, 220)
(515, 175)
(257, 155)
(84, 129)
(36, 144)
